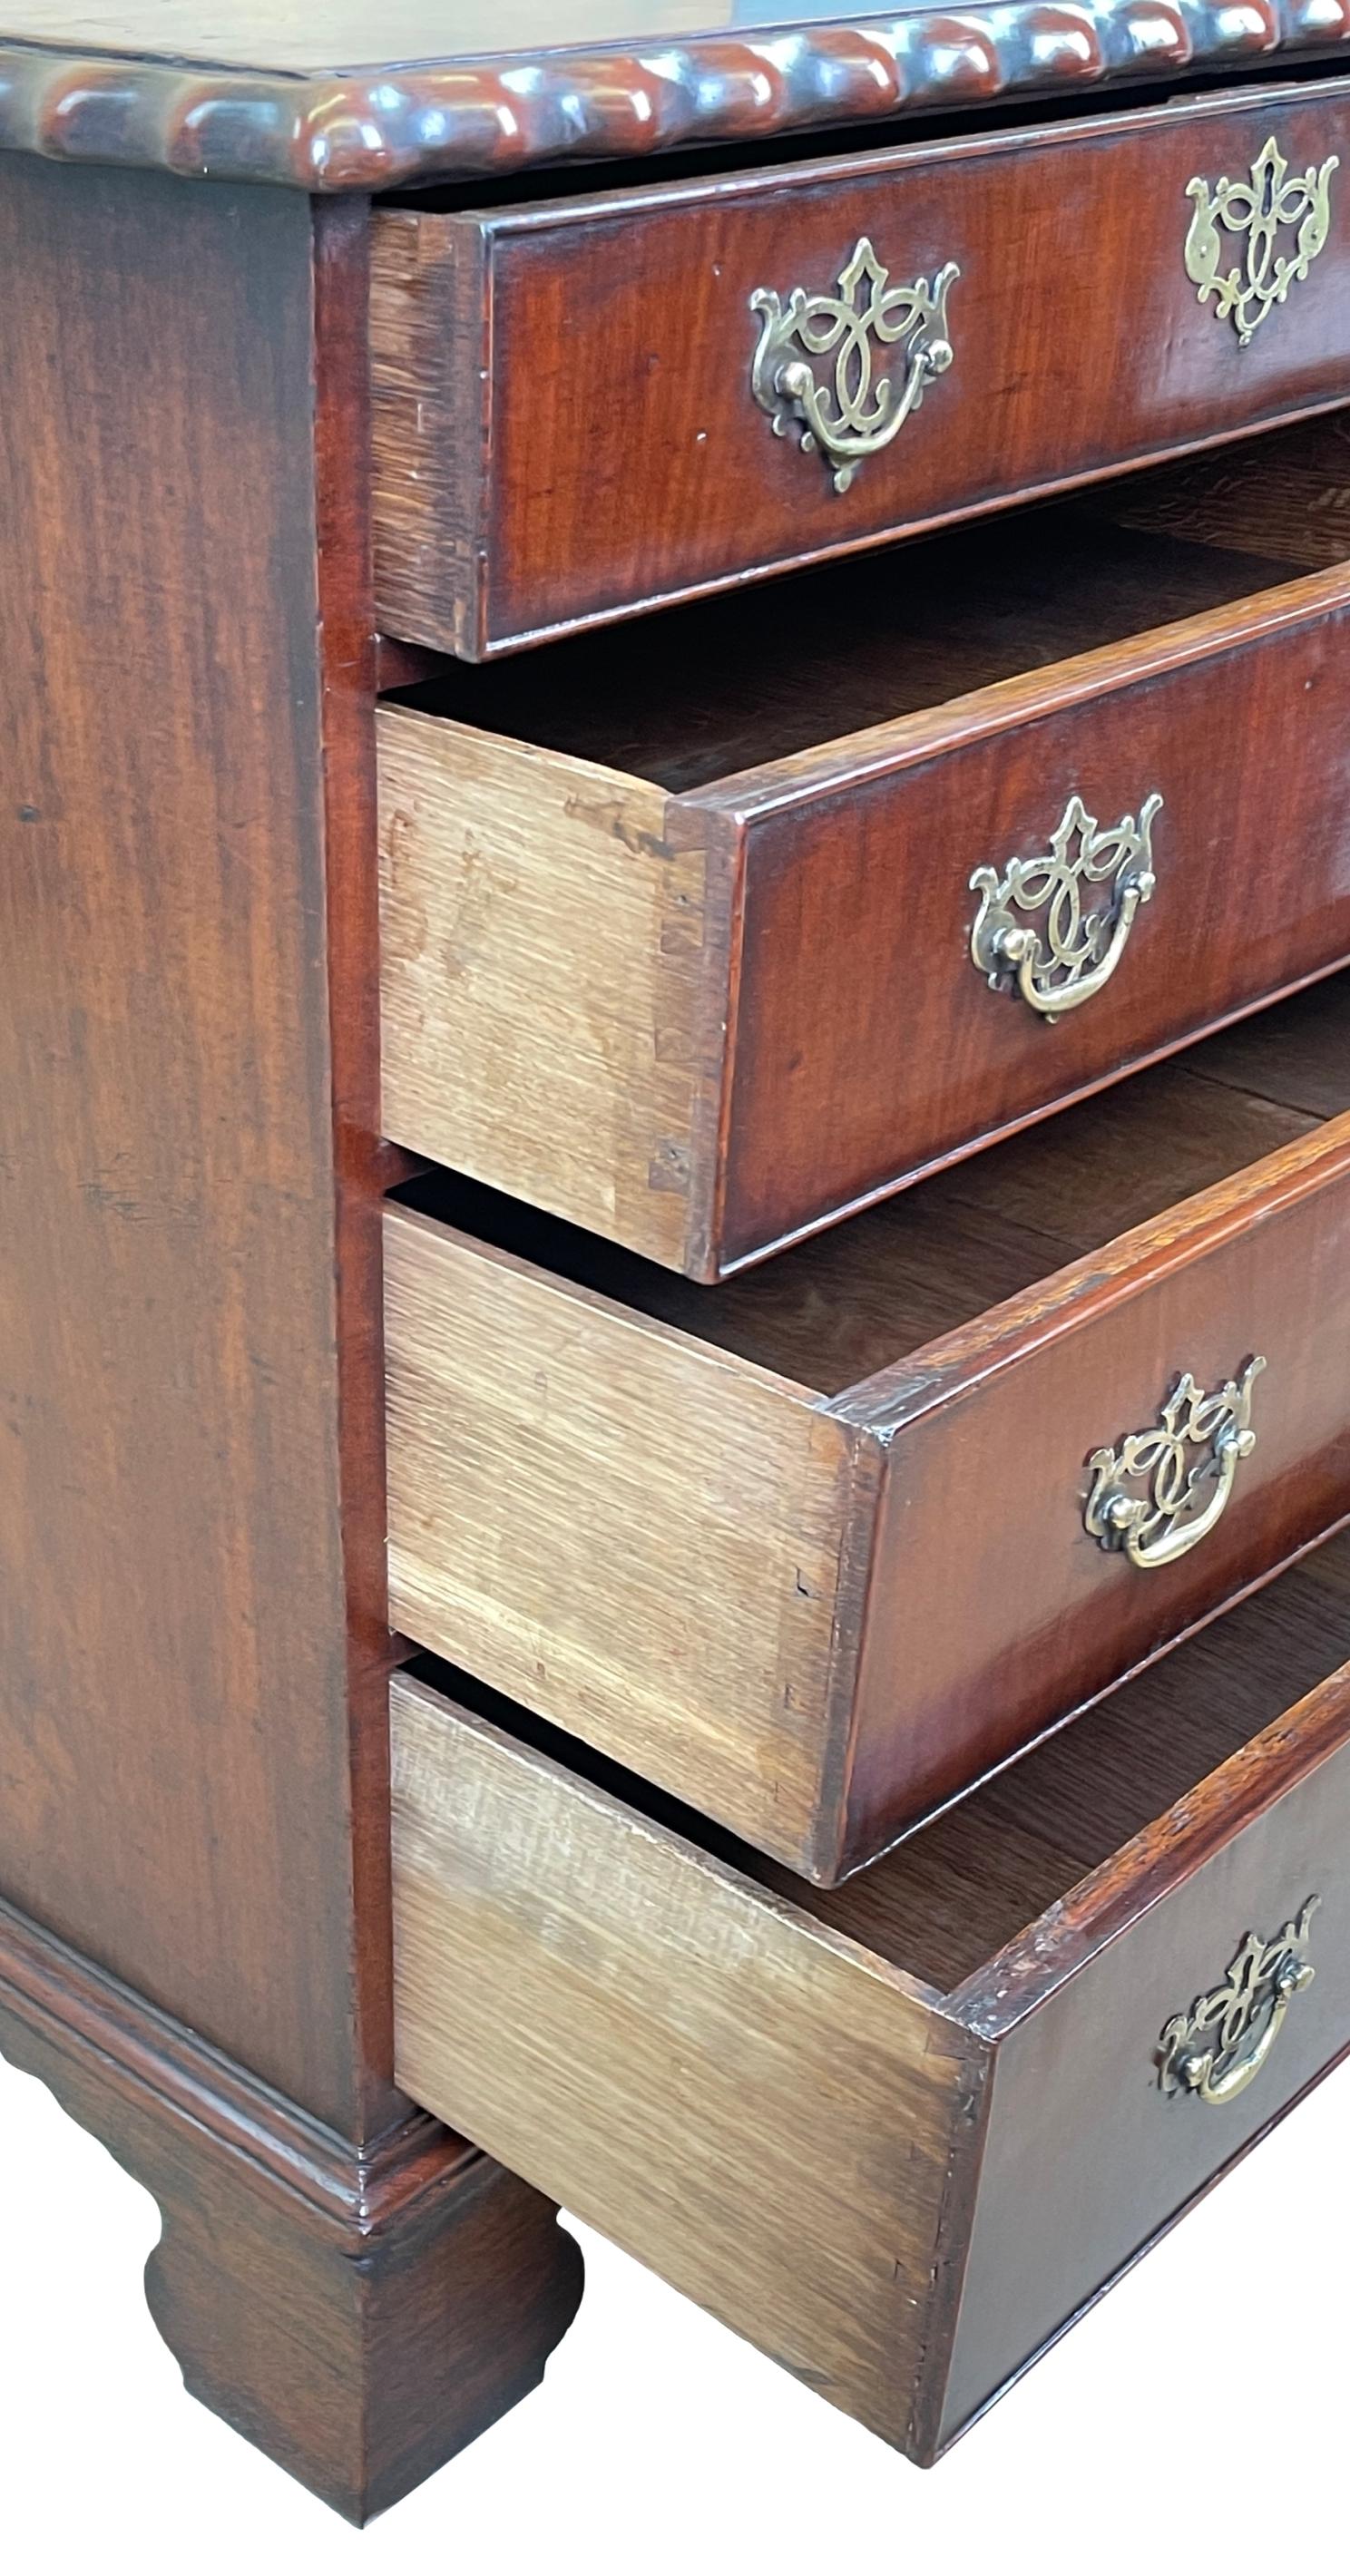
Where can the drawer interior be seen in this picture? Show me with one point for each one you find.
(699, 693)
(901, 2134)
(944, 1903)
(953, 1896)
(830, 1311)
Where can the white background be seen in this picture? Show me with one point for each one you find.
(1197, 2421)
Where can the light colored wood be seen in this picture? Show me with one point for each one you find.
(899, 2194)
(747, 2102)
(1288, 495)
(650, 1542)
(555, 982)
(723, 1576)
(442, 375)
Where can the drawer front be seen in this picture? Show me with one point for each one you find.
(1078, 2095)
(703, 1025)
(901, 2196)
(989, 1484)
(728, 1585)
(876, 1031)
(588, 407)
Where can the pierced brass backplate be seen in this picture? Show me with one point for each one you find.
(1077, 947)
(1216, 2048)
(1270, 205)
(1185, 1464)
(855, 412)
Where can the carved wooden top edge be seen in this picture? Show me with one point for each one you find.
(413, 124)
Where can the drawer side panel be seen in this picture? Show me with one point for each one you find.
(554, 983)
(748, 2106)
(431, 383)
(651, 1545)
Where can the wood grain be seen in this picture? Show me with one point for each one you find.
(171, 1510)
(671, 1526)
(1309, 1073)
(642, 1996)
(361, 2313)
(306, 99)
(1035, 1624)
(643, 1539)
(950, 1900)
(193, 1596)
(1289, 493)
(1075, 2096)
(739, 688)
(551, 1008)
(901, 2193)
(620, 459)
(697, 1023)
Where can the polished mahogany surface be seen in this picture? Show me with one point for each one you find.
(194, 1903)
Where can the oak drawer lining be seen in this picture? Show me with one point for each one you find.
(941, 1905)
(831, 1310)
(742, 681)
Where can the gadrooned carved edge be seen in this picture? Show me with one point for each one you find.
(371, 130)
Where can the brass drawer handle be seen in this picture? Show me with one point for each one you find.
(1171, 1515)
(1268, 202)
(1216, 2048)
(1077, 949)
(856, 412)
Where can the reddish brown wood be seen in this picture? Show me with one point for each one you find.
(975, 1346)
(994, 1996)
(860, 1016)
(308, 98)
(361, 2313)
(612, 455)
(1031, 1631)
(1076, 2100)
(363, 1166)
(1015, 668)
(171, 1523)
(193, 1630)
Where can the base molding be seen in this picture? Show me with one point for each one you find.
(359, 2311)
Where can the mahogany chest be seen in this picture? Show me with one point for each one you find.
(675, 1163)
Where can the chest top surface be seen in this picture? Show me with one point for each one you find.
(346, 94)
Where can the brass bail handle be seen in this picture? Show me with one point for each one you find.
(850, 409)
(1055, 927)
(1160, 1492)
(1215, 2050)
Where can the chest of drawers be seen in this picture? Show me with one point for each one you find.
(675, 1164)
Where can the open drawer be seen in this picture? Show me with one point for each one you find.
(900, 2135)
(1027, 809)
(817, 1549)
(588, 405)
